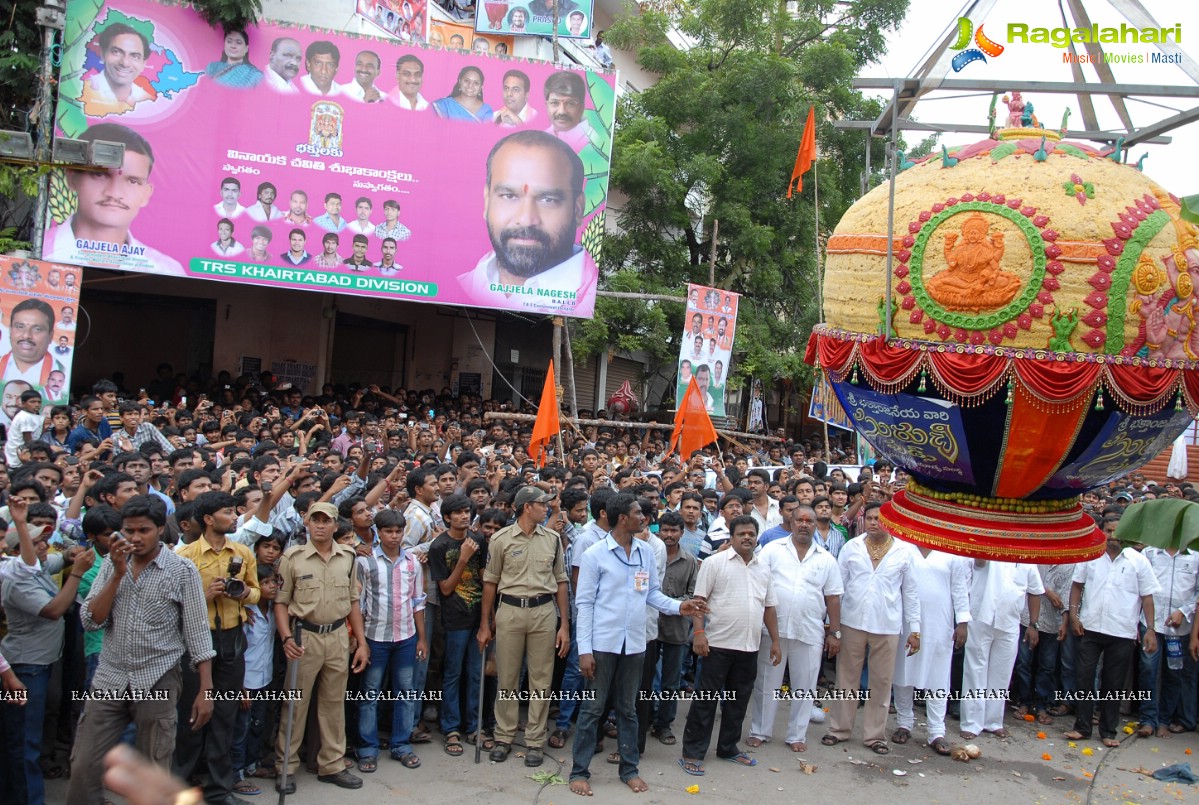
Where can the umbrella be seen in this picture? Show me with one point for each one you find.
(1163, 523)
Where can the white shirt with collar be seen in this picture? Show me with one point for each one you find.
(877, 600)
(801, 586)
(278, 84)
(401, 100)
(527, 114)
(354, 90)
(64, 247)
(309, 86)
(257, 213)
(737, 593)
(543, 293)
(1178, 577)
(1111, 596)
(998, 592)
(219, 209)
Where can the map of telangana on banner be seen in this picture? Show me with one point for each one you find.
(38, 305)
(330, 162)
(707, 345)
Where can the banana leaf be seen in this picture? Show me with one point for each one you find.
(1163, 523)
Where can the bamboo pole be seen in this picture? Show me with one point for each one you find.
(611, 423)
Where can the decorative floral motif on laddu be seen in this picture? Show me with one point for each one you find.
(1079, 189)
(994, 326)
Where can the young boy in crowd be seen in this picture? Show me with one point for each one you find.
(255, 708)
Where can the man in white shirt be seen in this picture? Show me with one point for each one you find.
(763, 508)
(516, 110)
(736, 586)
(533, 206)
(410, 77)
(807, 584)
(265, 208)
(229, 206)
(321, 59)
(362, 225)
(942, 584)
(1171, 708)
(225, 245)
(998, 592)
(113, 90)
(284, 65)
(366, 69)
(26, 427)
(878, 577)
(1108, 596)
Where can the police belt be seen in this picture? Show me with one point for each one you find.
(320, 628)
(526, 603)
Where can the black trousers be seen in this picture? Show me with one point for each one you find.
(210, 750)
(1117, 653)
(728, 674)
(645, 710)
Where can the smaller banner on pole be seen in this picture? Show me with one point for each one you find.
(406, 20)
(39, 303)
(825, 406)
(707, 344)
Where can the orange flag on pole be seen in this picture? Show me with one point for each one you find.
(693, 427)
(547, 426)
(806, 155)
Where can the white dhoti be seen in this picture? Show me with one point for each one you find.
(804, 662)
(990, 657)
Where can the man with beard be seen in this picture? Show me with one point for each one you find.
(565, 101)
(533, 205)
(285, 65)
(265, 209)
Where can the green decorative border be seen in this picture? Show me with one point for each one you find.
(1117, 306)
(1014, 308)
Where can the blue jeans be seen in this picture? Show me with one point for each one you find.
(617, 676)
(462, 662)
(672, 655)
(1067, 653)
(402, 658)
(1038, 693)
(37, 679)
(247, 736)
(572, 683)
(1172, 699)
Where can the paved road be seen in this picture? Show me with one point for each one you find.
(1010, 771)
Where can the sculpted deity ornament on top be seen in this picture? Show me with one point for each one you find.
(973, 280)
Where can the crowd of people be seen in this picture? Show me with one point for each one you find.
(241, 579)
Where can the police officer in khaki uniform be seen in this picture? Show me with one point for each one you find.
(525, 572)
(319, 592)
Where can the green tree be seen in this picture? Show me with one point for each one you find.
(716, 136)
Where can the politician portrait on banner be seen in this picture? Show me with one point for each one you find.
(707, 344)
(242, 149)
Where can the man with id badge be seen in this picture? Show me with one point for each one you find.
(622, 572)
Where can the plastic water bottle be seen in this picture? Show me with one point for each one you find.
(1173, 648)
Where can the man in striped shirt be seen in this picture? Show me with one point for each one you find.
(393, 614)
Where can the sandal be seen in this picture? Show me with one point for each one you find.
(410, 760)
(940, 746)
(1059, 710)
(558, 739)
(1176, 728)
(741, 759)
(420, 737)
(453, 744)
(901, 735)
(830, 740)
(614, 758)
(246, 788)
(692, 767)
(667, 737)
(265, 773)
(610, 729)
(368, 765)
(879, 747)
(1001, 734)
(1044, 718)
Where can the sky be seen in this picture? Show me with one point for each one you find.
(1174, 166)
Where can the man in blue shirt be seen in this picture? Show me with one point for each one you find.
(622, 572)
(787, 507)
(94, 426)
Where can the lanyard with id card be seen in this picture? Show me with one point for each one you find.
(641, 581)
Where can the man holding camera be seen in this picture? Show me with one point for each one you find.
(229, 574)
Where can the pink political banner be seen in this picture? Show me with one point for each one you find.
(296, 158)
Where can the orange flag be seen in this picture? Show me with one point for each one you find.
(692, 426)
(806, 155)
(547, 426)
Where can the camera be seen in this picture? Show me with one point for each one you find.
(235, 587)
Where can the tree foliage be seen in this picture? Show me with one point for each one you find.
(715, 138)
